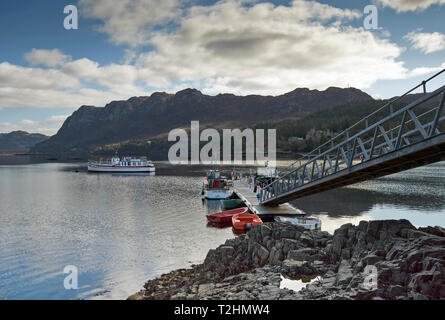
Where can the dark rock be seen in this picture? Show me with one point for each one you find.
(437, 231)
(227, 251)
(306, 239)
(289, 244)
(371, 259)
(344, 274)
(409, 264)
(302, 254)
(266, 231)
(417, 296)
(263, 254)
(393, 292)
(338, 242)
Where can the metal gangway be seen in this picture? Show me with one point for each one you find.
(396, 137)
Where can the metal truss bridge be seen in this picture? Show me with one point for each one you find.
(396, 137)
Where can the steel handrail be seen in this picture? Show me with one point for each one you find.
(422, 84)
(367, 129)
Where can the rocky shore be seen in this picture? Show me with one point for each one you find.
(388, 259)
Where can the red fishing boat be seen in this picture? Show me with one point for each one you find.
(225, 216)
(244, 221)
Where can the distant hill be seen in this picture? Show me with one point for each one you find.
(19, 141)
(305, 134)
(151, 118)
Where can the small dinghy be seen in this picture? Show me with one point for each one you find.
(305, 222)
(245, 221)
(225, 216)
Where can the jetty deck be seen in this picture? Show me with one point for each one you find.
(245, 192)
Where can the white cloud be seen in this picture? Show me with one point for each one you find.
(47, 126)
(48, 58)
(35, 78)
(48, 98)
(426, 42)
(269, 49)
(71, 85)
(118, 78)
(425, 70)
(130, 22)
(409, 5)
(229, 46)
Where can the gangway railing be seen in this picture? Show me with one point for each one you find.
(388, 129)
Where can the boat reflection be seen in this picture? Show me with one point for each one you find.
(356, 202)
(219, 225)
(238, 232)
(134, 174)
(212, 206)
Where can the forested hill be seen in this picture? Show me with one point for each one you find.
(305, 134)
(19, 141)
(140, 119)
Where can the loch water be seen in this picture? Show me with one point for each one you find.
(121, 230)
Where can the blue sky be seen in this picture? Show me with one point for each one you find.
(126, 48)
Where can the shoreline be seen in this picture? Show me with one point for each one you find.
(409, 264)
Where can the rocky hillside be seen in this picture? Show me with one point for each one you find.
(19, 141)
(409, 264)
(156, 115)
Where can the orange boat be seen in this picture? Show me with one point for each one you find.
(225, 216)
(244, 221)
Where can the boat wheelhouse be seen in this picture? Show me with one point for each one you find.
(216, 186)
(122, 165)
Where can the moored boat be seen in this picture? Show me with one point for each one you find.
(122, 165)
(225, 216)
(309, 223)
(216, 187)
(232, 203)
(245, 221)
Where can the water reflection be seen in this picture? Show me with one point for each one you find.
(297, 284)
(212, 206)
(118, 230)
(122, 230)
(417, 195)
(353, 202)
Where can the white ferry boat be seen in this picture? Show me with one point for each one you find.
(122, 165)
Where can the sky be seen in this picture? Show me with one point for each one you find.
(126, 48)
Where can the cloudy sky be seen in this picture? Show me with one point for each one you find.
(126, 48)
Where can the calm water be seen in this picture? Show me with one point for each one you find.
(122, 230)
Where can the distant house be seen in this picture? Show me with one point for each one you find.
(295, 139)
(318, 134)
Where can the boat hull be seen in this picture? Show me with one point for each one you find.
(120, 169)
(244, 221)
(225, 216)
(217, 194)
(308, 223)
(232, 204)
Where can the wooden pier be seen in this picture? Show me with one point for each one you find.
(245, 193)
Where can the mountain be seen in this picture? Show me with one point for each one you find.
(19, 141)
(152, 117)
(305, 134)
